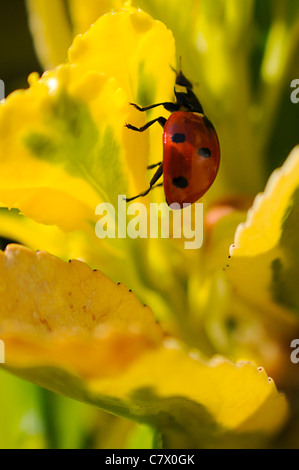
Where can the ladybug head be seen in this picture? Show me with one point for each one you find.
(181, 80)
(186, 99)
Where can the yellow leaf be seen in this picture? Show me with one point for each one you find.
(69, 314)
(74, 331)
(84, 14)
(50, 29)
(63, 144)
(264, 256)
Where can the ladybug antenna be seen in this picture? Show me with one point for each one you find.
(180, 68)
(181, 80)
(173, 69)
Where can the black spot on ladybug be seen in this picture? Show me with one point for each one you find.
(204, 152)
(130, 290)
(178, 138)
(180, 182)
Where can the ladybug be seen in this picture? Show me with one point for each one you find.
(191, 151)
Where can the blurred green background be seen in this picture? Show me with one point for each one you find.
(17, 55)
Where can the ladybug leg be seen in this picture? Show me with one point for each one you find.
(150, 167)
(169, 106)
(161, 120)
(154, 179)
(129, 199)
(157, 175)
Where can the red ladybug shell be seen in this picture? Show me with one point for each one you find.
(191, 156)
